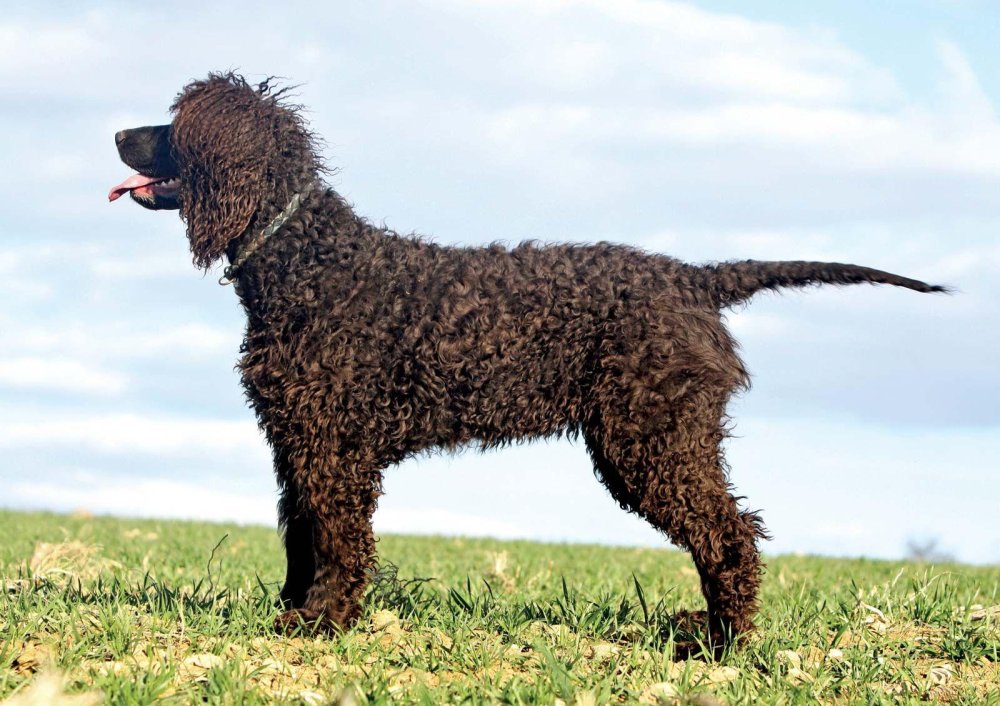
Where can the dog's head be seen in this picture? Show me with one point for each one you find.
(232, 158)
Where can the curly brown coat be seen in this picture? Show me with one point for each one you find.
(364, 347)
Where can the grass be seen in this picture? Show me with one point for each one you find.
(102, 610)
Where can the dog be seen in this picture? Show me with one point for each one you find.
(364, 347)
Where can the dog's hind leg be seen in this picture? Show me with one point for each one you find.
(668, 469)
(339, 496)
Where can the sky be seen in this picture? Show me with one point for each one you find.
(708, 130)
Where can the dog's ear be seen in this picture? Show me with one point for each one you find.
(217, 207)
(223, 138)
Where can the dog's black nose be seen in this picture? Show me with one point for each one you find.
(120, 136)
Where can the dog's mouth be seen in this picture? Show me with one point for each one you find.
(146, 188)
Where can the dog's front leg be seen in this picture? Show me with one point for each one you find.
(338, 498)
(298, 539)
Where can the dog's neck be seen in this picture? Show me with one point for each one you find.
(244, 247)
(272, 214)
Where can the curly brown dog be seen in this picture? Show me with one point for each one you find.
(364, 347)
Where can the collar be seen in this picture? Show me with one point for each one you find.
(251, 246)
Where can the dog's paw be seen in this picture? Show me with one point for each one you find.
(690, 621)
(696, 649)
(302, 621)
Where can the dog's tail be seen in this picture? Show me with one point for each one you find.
(734, 282)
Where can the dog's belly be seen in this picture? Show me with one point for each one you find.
(495, 387)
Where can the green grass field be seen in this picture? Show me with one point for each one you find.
(136, 612)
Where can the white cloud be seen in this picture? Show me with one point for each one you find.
(162, 498)
(847, 531)
(122, 340)
(969, 103)
(15, 285)
(773, 244)
(110, 261)
(130, 433)
(754, 99)
(768, 76)
(573, 63)
(820, 139)
(105, 331)
(861, 490)
(60, 374)
(983, 260)
(159, 498)
(747, 323)
(40, 51)
(50, 168)
(672, 44)
(140, 266)
(445, 522)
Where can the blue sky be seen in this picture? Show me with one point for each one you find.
(847, 131)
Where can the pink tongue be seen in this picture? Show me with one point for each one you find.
(133, 182)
